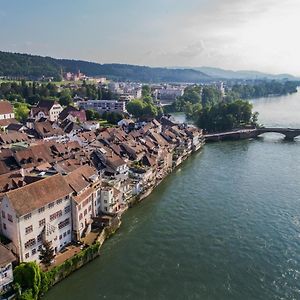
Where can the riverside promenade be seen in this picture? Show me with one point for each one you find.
(289, 134)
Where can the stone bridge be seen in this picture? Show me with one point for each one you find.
(289, 134)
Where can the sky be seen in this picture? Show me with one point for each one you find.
(257, 35)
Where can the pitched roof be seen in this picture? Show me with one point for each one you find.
(79, 178)
(5, 107)
(47, 104)
(33, 196)
(6, 256)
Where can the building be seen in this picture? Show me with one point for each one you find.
(6, 110)
(111, 199)
(102, 106)
(85, 184)
(46, 109)
(6, 269)
(36, 212)
(73, 114)
(7, 115)
(170, 93)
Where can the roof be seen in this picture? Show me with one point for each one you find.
(47, 104)
(5, 107)
(79, 179)
(6, 122)
(6, 256)
(15, 126)
(33, 196)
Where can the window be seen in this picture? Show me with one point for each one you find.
(80, 216)
(27, 217)
(50, 205)
(39, 237)
(42, 222)
(30, 243)
(90, 208)
(55, 215)
(85, 212)
(60, 237)
(3, 214)
(28, 229)
(65, 234)
(42, 209)
(59, 201)
(64, 223)
(105, 201)
(69, 231)
(9, 218)
(67, 209)
(27, 255)
(4, 226)
(40, 247)
(33, 252)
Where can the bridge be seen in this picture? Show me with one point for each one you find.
(289, 134)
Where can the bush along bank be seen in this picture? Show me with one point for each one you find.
(31, 282)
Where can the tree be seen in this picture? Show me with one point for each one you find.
(21, 111)
(46, 253)
(27, 277)
(99, 94)
(65, 98)
(135, 107)
(146, 91)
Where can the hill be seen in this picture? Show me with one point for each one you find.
(34, 66)
(245, 75)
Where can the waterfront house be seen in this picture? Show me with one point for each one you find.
(85, 183)
(37, 212)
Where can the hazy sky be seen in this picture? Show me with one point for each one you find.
(233, 34)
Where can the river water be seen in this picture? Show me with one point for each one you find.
(225, 225)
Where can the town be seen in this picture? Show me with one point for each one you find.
(64, 179)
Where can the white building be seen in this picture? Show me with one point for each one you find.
(46, 109)
(111, 199)
(102, 106)
(170, 93)
(85, 200)
(37, 212)
(6, 270)
(6, 110)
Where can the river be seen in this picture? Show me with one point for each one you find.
(225, 225)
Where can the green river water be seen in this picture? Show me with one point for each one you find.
(225, 225)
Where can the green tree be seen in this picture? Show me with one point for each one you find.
(135, 107)
(146, 91)
(21, 111)
(28, 277)
(65, 98)
(46, 253)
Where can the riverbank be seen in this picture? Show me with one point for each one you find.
(59, 271)
(225, 226)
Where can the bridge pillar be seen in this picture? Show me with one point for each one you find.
(289, 136)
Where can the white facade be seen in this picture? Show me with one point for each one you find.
(170, 93)
(111, 200)
(54, 112)
(6, 277)
(7, 116)
(102, 106)
(52, 222)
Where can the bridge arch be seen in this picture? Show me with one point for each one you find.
(289, 134)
